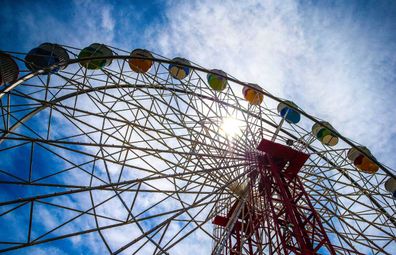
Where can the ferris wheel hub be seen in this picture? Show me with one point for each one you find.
(290, 160)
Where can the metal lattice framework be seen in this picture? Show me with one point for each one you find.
(141, 162)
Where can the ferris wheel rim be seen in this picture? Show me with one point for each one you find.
(207, 71)
(247, 112)
(316, 120)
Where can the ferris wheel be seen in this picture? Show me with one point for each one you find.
(134, 153)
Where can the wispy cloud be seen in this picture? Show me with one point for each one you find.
(327, 59)
(335, 61)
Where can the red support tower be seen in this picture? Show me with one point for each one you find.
(274, 214)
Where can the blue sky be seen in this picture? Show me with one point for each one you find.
(78, 22)
(335, 59)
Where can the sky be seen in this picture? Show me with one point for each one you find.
(334, 59)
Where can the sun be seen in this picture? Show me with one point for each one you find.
(231, 127)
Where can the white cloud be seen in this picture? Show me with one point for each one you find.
(320, 66)
(107, 20)
(323, 59)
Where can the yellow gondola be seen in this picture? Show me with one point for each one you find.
(252, 94)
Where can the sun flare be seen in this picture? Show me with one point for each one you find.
(231, 127)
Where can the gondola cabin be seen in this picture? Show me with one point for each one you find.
(324, 132)
(48, 57)
(362, 161)
(179, 69)
(252, 93)
(217, 80)
(99, 52)
(287, 110)
(9, 70)
(141, 60)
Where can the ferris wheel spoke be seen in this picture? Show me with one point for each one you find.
(341, 185)
(355, 183)
(132, 147)
(194, 220)
(184, 189)
(97, 224)
(73, 166)
(38, 241)
(106, 186)
(176, 112)
(163, 223)
(353, 233)
(16, 109)
(368, 210)
(117, 194)
(170, 107)
(19, 123)
(199, 225)
(128, 123)
(355, 198)
(113, 149)
(357, 214)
